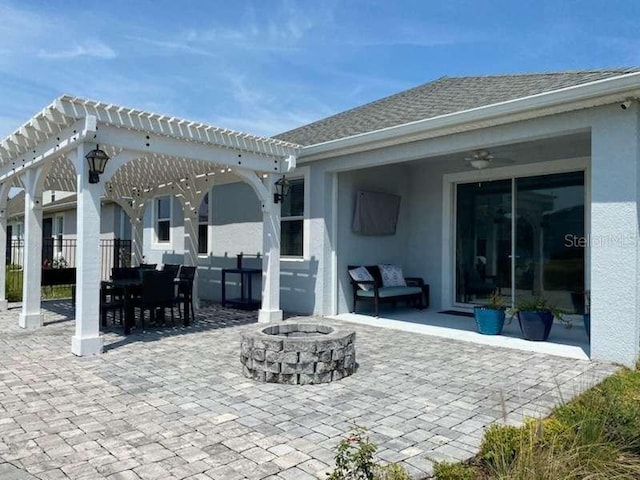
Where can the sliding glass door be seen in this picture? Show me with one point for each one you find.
(483, 240)
(521, 238)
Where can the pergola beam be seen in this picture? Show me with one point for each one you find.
(172, 127)
(63, 142)
(145, 143)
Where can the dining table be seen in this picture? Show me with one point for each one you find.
(131, 288)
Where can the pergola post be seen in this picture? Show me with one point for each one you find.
(137, 236)
(191, 243)
(270, 309)
(3, 242)
(30, 317)
(87, 339)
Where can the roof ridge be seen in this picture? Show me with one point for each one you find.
(555, 72)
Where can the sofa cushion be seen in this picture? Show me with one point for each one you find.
(392, 276)
(362, 274)
(386, 292)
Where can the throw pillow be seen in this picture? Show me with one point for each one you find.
(361, 273)
(392, 276)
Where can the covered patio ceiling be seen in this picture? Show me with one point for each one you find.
(150, 155)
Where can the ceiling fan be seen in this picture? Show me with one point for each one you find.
(482, 158)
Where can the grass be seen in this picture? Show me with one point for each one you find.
(596, 436)
(14, 287)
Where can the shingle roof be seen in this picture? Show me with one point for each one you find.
(442, 96)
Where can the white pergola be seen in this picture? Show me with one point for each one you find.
(150, 155)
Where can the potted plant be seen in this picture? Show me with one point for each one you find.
(535, 316)
(490, 317)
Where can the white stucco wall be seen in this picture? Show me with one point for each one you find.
(370, 250)
(615, 258)
(154, 251)
(70, 225)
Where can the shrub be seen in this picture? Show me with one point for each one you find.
(354, 460)
(354, 457)
(391, 471)
(452, 471)
(14, 285)
(500, 445)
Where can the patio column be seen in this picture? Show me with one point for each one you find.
(614, 240)
(137, 236)
(191, 244)
(270, 309)
(87, 340)
(3, 245)
(30, 317)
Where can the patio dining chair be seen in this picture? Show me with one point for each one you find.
(171, 267)
(158, 292)
(148, 266)
(111, 300)
(185, 288)
(124, 273)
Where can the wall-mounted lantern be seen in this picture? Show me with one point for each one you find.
(97, 160)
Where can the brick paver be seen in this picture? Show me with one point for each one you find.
(172, 403)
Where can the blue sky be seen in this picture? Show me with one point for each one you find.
(266, 66)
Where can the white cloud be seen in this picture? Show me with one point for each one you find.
(94, 49)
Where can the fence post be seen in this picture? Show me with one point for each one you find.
(116, 252)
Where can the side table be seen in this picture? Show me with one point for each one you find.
(246, 300)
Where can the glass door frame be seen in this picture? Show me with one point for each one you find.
(449, 234)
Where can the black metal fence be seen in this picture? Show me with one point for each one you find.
(61, 253)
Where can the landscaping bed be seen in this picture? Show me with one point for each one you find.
(595, 436)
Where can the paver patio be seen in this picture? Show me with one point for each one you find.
(173, 404)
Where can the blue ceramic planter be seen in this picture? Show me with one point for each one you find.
(535, 326)
(489, 321)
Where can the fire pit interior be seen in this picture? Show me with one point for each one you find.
(298, 353)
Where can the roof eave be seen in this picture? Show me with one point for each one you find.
(586, 95)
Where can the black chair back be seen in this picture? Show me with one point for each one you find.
(124, 273)
(148, 266)
(158, 288)
(170, 267)
(187, 273)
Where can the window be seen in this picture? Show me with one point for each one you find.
(203, 226)
(58, 232)
(163, 219)
(292, 224)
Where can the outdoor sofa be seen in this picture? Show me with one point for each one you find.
(411, 290)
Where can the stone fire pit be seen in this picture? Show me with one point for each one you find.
(298, 353)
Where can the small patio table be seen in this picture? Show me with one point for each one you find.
(246, 300)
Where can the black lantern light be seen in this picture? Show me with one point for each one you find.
(97, 160)
(282, 190)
